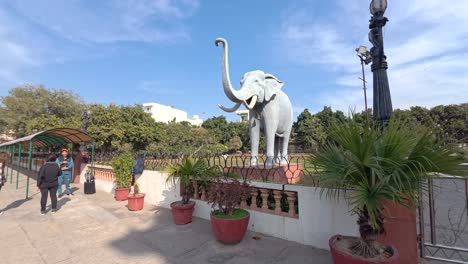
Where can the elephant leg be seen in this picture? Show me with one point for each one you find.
(278, 147)
(254, 139)
(270, 142)
(284, 150)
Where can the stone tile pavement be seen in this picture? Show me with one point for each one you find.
(98, 229)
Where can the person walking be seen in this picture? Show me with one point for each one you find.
(65, 162)
(47, 182)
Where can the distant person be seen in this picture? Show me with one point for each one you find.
(47, 182)
(65, 162)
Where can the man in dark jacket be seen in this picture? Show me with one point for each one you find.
(47, 182)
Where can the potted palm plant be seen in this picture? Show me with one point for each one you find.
(188, 170)
(228, 221)
(379, 166)
(136, 200)
(122, 166)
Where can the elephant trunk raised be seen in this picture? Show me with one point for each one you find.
(237, 97)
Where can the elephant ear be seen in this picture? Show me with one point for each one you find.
(272, 86)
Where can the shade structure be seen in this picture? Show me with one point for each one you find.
(52, 137)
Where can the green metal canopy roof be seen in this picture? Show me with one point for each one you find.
(52, 137)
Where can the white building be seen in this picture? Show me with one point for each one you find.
(166, 114)
(244, 115)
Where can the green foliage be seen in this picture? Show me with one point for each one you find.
(380, 165)
(308, 130)
(122, 166)
(35, 107)
(235, 143)
(190, 169)
(115, 126)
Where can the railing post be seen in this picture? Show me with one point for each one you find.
(277, 195)
(432, 212)
(264, 194)
(291, 199)
(19, 164)
(254, 193)
(421, 222)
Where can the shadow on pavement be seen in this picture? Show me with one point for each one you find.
(16, 204)
(157, 236)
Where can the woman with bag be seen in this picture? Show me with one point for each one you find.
(47, 183)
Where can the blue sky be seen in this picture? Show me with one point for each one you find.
(136, 51)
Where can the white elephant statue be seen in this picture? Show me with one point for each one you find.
(270, 110)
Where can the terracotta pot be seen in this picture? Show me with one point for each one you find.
(136, 202)
(345, 258)
(229, 231)
(121, 194)
(182, 213)
(401, 231)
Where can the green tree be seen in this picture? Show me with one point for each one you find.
(308, 130)
(113, 126)
(35, 107)
(218, 127)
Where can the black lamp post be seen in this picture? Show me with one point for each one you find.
(85, 116)
(382, 109)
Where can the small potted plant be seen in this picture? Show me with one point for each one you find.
(228, 221)
(122, 166)
(136, 200)
(379, 165)
(184, 173)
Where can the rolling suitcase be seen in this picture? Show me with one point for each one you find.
(89, 185)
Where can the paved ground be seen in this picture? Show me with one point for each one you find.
(97, 229)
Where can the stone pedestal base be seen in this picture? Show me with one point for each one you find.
(285, 174)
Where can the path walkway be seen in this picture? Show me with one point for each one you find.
(97, 229)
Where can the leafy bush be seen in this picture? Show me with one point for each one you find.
(225, 194)
(122, 166)
(190, 169)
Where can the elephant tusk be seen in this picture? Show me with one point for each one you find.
(230, 110)
(252, 103)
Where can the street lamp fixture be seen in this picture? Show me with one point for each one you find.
(378, 7)
(365, 57)
(382, 101)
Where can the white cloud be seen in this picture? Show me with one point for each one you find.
(426, 44)
(41, 32)
(109, 21)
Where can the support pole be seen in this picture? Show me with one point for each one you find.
(8, 161)
(19, 163)
(12, 163)
(30, 155)
(93, 145)
(27, 176)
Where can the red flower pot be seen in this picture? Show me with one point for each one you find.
(229, 231)
(340, 257)
(136, 202)
(182, 213)
(401, 231)
(122, 194)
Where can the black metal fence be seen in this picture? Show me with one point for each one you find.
(296, 169)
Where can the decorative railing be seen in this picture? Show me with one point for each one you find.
(103, 174)
(265, 200)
